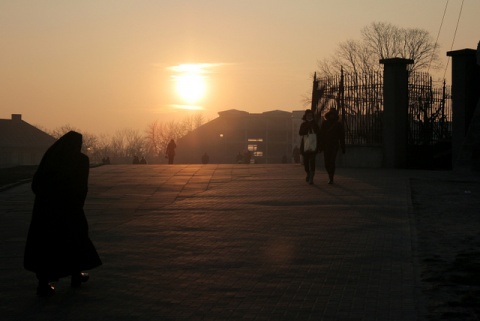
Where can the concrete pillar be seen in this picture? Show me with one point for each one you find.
(395, 113)
(465, 96)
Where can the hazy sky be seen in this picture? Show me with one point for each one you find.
(106, 65)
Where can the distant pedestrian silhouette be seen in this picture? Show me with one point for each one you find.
(143, 160)
(309, 126)
(170, 153)
(58, 244)
(205, 158)
(136, 160)
(332, 136)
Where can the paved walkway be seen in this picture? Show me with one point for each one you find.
(227, 242)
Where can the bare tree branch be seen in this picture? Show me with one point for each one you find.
(382, 40)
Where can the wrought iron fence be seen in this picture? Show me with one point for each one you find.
(359, 98)
(429, 111)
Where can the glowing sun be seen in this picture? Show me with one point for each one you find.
(190, 84)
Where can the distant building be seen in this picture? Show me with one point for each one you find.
(267, 137)
(21, 143)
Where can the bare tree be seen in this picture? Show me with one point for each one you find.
(389, 41)
(191, 123)
(153, 138)
(380, 41)
(60, 131)
(174, 130)
(127, 143)
(102, 148)
(159, 134)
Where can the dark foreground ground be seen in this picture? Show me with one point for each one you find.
(447, 219)
(242, 242)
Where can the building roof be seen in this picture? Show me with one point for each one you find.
(232, 113)
(238, 113)
(278, 113)
(17, 133)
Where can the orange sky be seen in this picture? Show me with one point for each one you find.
(106, 65)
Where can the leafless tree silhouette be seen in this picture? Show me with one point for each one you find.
(380, 41)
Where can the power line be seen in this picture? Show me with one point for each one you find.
(454, 36)
(438, 35)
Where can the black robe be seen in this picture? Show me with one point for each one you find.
(58, 243)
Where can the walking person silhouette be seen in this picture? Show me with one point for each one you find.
(58, 244)
(170, 152)
(309, 127)
(332, 137)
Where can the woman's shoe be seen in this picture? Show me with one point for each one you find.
(45, 290)
(78, 279)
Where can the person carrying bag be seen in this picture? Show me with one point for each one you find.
(309, 131)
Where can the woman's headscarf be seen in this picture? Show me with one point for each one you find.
(307, 111)
(58, 164)
(63, 152)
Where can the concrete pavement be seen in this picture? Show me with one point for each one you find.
(228, 242)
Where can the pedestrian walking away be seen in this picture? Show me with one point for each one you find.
(309, 131)
(170, 152)
(205, 158)
(332, 137)
(58, 244)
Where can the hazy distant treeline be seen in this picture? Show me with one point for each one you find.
(127, 143)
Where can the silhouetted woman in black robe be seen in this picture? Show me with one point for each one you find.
(58, 244)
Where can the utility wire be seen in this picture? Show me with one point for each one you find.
(454, 35)
(438, 35)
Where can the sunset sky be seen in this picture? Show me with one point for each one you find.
(106, 65)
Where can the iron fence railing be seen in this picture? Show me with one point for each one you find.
(429, 111)
(359, 99)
